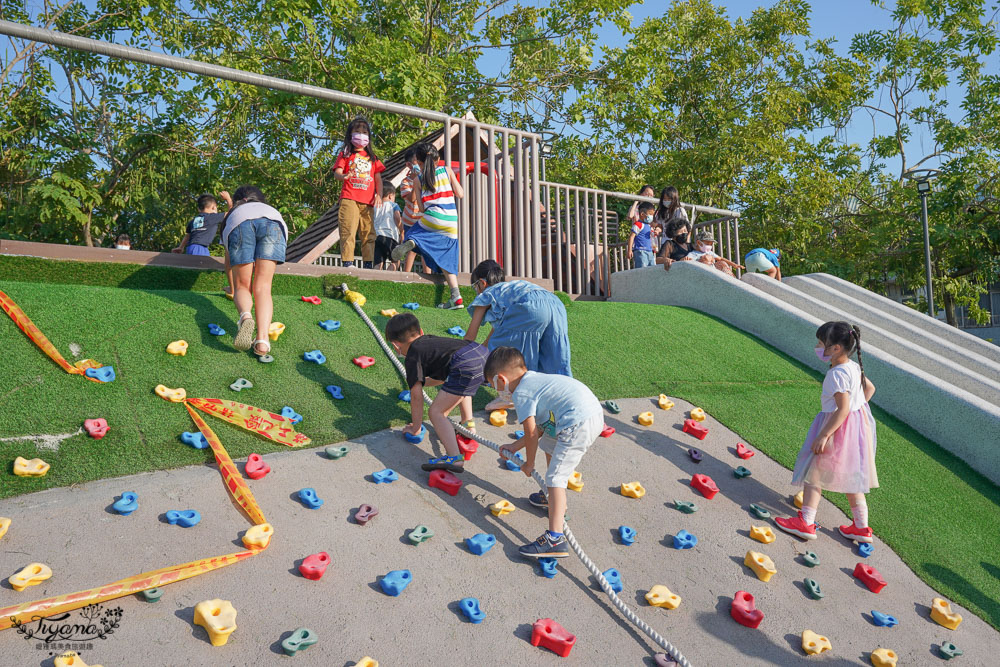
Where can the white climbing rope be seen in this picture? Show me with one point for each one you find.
(671, 650)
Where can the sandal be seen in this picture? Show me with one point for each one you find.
(266, 357)
(245, 331)
(448, 463)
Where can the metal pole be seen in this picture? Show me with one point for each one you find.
(491, 195)
(507, 228)
(464, 228)
(927, 255)
(536, 211)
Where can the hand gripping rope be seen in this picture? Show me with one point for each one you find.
(357, 300)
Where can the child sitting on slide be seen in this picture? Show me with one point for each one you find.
(453, 363)
(703, 252)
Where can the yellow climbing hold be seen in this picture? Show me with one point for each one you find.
(71, 659)
(762, 534)
(498, 417)
(660, 596)
(645, 418)
(798, 500)
(275, 330)
(173, 395)
(575, 482)
(884, 657)
(943, 614)
(258, 537)
(366, 662)
(389, 312)
(178, 348)
(761, 565)
(32, 575)
(359, 299)
(33, 468)
(698, 414)
(218, 617)
(813, 643)
(4, 525)
(502, 507)
(633, 490)
(664, 402)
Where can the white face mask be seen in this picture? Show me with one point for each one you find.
(504, 393)
(123, 247)
(666, 202)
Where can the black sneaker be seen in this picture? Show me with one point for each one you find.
(543, 547)
(538, 499)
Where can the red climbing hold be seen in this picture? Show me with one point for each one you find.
(314, 566)
(256, 467)
(315, 300)
(548, 634)
(467, 446)
(870, 577)
(694, 428)
(608, 431)
(704, 485)
(96, 428)
(364, 362)
(744, 611)
(444, 480)
(743, 451)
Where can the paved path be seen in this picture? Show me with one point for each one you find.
(73, 531)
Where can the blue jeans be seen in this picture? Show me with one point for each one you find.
(196, 249)
(643, 258)
(260, 238)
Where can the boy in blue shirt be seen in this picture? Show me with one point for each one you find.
(556, 405)
(762, 260)
(640, 240)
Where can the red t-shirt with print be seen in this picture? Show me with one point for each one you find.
(359, 176)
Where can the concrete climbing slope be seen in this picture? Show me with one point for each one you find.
(939, 405)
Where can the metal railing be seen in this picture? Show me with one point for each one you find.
(334, 259)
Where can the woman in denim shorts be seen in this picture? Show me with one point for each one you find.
(255, 235)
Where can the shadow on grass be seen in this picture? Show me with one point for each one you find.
(989, 606)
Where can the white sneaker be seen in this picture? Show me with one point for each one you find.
(499, 404)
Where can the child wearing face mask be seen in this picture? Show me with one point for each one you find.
(640, 240)
(557, 405)
(361, 171)
(703, 252)
(839, 452)
(411, 210)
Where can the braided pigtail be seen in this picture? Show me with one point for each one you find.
(856, 334)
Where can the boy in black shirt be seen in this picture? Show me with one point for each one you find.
(455, 364)
(202, 229)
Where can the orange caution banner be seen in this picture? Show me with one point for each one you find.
(25, 324)
(235, 483)
(263, 423)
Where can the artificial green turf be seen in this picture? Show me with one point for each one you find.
(937, 513)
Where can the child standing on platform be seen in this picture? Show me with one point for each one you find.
(839, 452)
(640, 241)
(361, 171)
(435, 235)
(411, 209)
(388, 228)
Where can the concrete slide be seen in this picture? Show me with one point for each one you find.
(926, 378)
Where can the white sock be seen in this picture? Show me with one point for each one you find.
(860, 514)
(809, 515)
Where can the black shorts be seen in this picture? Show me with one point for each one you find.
(466, 372)
(384, 246)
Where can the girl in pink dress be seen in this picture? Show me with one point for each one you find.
(839, 452)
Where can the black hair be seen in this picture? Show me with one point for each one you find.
(488, 270)
(387, 187)
(501, 359)
(667, 212)
(205, 201)
(847, 336)
(410, 153)
(123, 238)
(645, 187)
(646, 206)
(355, 126)
(402, 327)
(248, 193)
(429, 155)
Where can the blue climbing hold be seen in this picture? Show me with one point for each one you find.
(481, 543)
(548, 566)
(315, 356)
(684, 540)
(335, 391)
(310, 499)
(386, 476)
(330, 325)
(456, 331)
(884, 620)
(627, 535)
(196, 440)
(514, 466)
(613, 578)
(404, 396)
(183, 518)
(102, 374)
(865, 549)
(216, 330)
(470, 607)
(413, 305)
(291, 415)
(395, 582)
(518, 434)
(126, 504)
(416, 439)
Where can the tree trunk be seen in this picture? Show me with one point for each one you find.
(87, 240)
(949, 309)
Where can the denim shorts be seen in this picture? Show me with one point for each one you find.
(466, 372)
(260, 238)
(644, 258)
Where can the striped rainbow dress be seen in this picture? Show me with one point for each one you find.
(436, 231)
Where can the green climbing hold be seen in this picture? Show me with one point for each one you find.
(152, 594)
(685, 506)
(337, 452)
(810, 558)
(420, 534)
(300, 640)
(813, 589)
(759, 511)
(612, 407)
(741, 472)
(949, 651)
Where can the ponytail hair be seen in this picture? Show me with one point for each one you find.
(848, 336)
(856, 333)
(430, 159)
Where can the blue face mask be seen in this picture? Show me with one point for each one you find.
(647, 219)
(416, 170)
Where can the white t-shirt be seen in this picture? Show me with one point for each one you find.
(845, 377)
(561, 399)
(385, 220)
(251, 210)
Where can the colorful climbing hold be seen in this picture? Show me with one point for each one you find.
(865, 549)
(660, 596)
(548, 634)
(216, 330)
(704, 485)
(691, 427)
(308, 497)
(575, 482)
(626, 535)
(810, 559)
(612, 407)
(329, 325)
(697, 414)
(481, 543)
(632, 490)
(178, 348)
(949, 650)
(365, 514)
(314, 356)
(256, 467)
(31, 575)
(335, 391)
(258, 536)
(152, 594)
(664, 660)
(314, 300)
(813, 643)
(797, 500)
(363, 362)
(664, 402)
(943, 614)
(645, 418)
(696, 455)
(96, 428)
(884, 657)
(444, 480)
(614, 579)
(420, 534)
(416, 439)
(744, 610)
(183, 518)
(684, 540)
(547, 567)
(685, 506)
(275, 330)
(299, 640)
(759, 512)
(291, 415)
(870, 577)
(762, 534)
(502, 507)
(395, 582)
(389, 312)
(127, 503)
(314, 566)
(194, 439)
(173, 395)
(884, 620)
(607, 431)
(743, 451)
(337, 452)
(366, 661)
(241, 384)
(4, 525)
(740, 472)
(33, 468)
(470, 607)
(813, 589)
(387, 476)
(404, 396)
(761, 565)
(218, 617)
(412, 305)
(456, 331)
(70, 659)
(102, 374)
(498, 418)
(467, 446)
(511, 465)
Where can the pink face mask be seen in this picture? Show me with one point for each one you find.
(819, 349)
(359, 139)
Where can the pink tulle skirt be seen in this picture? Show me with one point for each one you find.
(848, 463)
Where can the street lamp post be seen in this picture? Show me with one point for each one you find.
(923, 179)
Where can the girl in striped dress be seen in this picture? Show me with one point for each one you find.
(435, 234)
